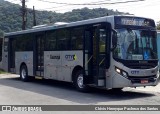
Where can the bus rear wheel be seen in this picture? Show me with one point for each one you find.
(24, 73)
(78, 82)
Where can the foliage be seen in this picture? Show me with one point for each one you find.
(10, 16)
(2, 72)
(158, 25)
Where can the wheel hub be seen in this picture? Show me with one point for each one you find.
(80, 81)
(24, 73)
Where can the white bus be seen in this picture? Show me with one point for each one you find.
(108, 52)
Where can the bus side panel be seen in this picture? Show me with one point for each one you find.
(70, 59)
(5, 61)
(24, 57)
(52, 63)
(59, 65)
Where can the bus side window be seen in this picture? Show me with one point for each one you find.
(26, 42)
(102, 42)
(77, 39)
(63, 39)
(50, 41)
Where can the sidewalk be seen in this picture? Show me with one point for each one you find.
(7, 75)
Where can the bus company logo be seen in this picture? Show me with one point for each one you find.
(134, 72)
(70, 57)
(55, 57)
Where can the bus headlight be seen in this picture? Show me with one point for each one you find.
(118, 70)
(121, 72)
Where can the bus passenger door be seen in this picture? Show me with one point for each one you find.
(39, 54)
(5, 53)
(95, 55)
(88, 57)
(11, 55)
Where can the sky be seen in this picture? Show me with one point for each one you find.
(146, 8)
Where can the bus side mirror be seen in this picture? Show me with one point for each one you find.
(114, 39)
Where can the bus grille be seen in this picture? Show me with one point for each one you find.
(138, 79)
(141, 66)
(137, 65)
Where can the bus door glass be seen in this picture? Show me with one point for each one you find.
(5, 54)
(95, 52)
(12, 49)
(39, 54)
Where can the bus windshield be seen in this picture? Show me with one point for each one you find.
(136, 44)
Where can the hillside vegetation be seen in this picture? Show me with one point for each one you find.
(10, 16)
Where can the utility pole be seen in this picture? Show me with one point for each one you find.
(34, 17)
(24, 14)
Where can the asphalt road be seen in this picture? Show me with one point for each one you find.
(47, 92)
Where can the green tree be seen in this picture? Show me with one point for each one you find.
(11, 20)
(158, 25)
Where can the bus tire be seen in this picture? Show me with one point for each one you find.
(24, 73)
(78, 82)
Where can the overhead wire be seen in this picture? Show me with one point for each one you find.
(129, 1)
(153, 3)
(13, 1)
(101, 3)
(97, 3)
(69, 5)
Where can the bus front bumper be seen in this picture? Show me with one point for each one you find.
(119, 81)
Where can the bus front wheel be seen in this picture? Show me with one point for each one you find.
(78, 82)
(24, 73)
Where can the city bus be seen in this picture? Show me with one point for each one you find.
(110, 52)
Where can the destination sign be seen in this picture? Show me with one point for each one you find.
(137, 22)
(134, 21)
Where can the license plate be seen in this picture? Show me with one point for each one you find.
(144, 81)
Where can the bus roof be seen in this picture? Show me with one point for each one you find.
(53, 26)
(40, 28)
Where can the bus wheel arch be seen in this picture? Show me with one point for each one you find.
(24, 72)
(77, 78)
(75, 70)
